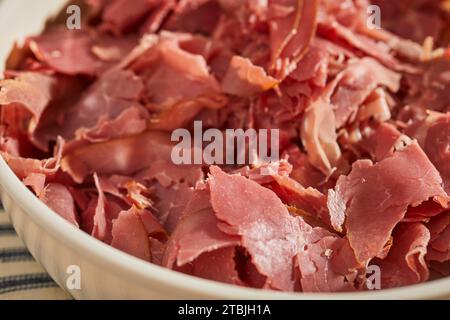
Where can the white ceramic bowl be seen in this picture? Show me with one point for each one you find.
(107, 273)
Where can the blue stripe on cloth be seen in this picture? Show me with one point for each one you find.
(6, 229)
(15, 254)
(26, 282)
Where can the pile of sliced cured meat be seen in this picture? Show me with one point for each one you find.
(363, 114)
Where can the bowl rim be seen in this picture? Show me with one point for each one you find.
(141, 271)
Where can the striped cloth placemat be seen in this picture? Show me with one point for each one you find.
(21, 277)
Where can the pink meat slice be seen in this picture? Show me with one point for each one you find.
(103, 214)
(313, 67)
(217, 265)
(24, 167)
(405, 263)
(438, 224)
(129, 235)
(73, 52)
(157, 16)
(67, 52)
(178, 83)
(131, 121)
(58, 198)
(441, 243)
(439, 246)
(168, 173)
(245, 79)
(380, 143)
(413, 20)
(151, 224)
(311, 202)
(437, 147)
(385, 191)
(166, 59)
(331, 29)
(170, 203)
(120, 156)
(115, 92)
(433, 135)
(195, 16)
(36, 181)
(357, 83)
(315, 267)
(318, 131)
(196, 233)
(425, 211)
(292, 28)
(268, 231)
(120, 16)
(33, 91)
